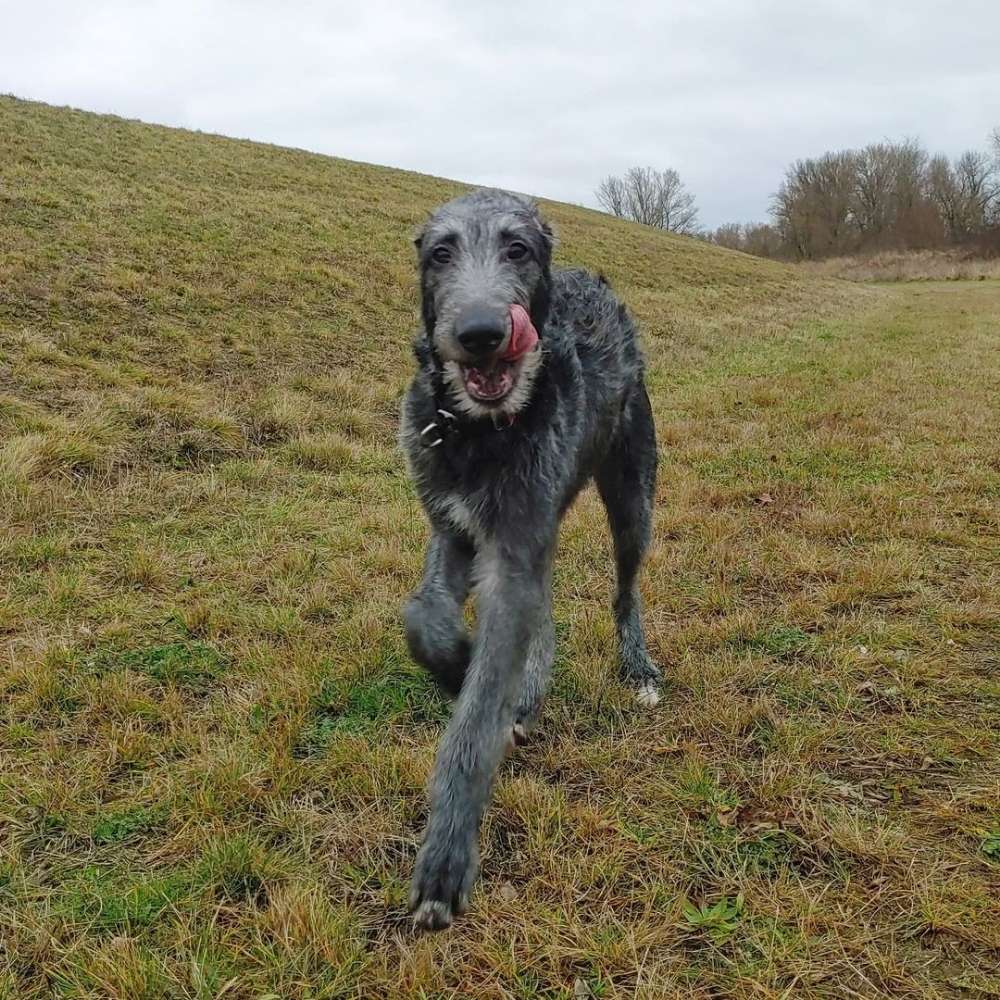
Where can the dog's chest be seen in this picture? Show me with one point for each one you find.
(482, 478)
(461, 513)
(473, 495)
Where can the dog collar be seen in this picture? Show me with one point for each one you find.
(446, 425)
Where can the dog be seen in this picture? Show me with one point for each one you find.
(530, 383)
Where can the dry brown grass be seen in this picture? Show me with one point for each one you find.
(213, 745)
(912, 265)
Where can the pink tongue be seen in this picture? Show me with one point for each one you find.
(523, 335)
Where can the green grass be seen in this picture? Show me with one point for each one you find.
(118, 826)
(213, 747)
(186, 664)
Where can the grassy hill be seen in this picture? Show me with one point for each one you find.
(213, 745)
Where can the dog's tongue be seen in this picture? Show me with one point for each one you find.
(523, 335)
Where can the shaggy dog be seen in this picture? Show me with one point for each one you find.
(530, 383)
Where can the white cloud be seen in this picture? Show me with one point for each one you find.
(539, 97)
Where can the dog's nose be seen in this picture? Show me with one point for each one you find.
(481, 330)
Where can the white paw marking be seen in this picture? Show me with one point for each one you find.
(648, 695)
(517, 737)
(432, 915)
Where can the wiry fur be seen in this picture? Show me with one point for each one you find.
(495, 491)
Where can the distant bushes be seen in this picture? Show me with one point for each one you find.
(908, 265)
(885, 197)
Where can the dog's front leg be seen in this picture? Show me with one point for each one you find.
(510, 596)
(435, 631)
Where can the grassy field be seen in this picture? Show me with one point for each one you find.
(213, 746)
(908, 265)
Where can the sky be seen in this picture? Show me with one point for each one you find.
(541, 97)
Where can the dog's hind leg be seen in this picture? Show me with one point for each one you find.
(627, 484)
(435, 630)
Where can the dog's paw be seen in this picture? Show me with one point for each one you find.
(432, 915)
(647, 694)
(518, 737)
(442, 883)
(643, 676)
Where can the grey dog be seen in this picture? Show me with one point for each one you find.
(529, 384)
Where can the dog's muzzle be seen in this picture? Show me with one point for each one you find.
(492, 379)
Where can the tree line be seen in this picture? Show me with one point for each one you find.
(886, 196)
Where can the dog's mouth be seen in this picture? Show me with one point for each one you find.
(491, 382)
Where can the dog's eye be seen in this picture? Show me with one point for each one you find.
(517, 251)
(441, 254)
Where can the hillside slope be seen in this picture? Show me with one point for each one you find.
(164, 258)
(212, 743)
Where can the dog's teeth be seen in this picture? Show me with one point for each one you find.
(648, 695)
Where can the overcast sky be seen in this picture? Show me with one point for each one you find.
(538, 97)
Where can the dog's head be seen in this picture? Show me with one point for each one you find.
(484, 264)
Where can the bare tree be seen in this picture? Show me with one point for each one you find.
(757, 238)
(916, 223)
(856, 200)
(642, 196)
(965, 193)
(888, 195)
(995, 212)
(611, 196)
(651, 197)
(977, 183)
(943, 190)
(729, 235)
(813, 207)
(761, 239)
(877, 178)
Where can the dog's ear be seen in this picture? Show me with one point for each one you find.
(427, 310)
(541, 296)
(546, 237)
(547, 233)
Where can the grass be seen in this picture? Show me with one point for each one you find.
(213, 745)
(911, 265)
